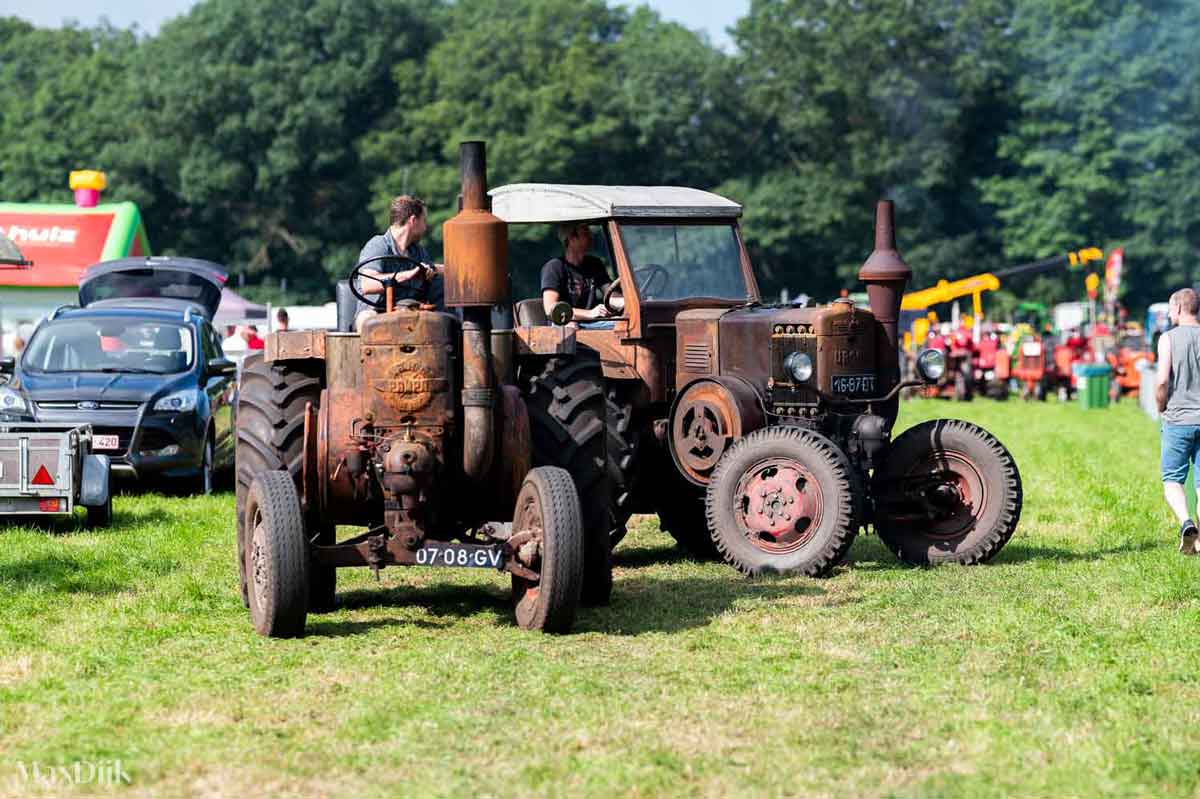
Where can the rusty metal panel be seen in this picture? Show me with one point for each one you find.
(545, 340)
(697, 343)
(408, 364)
(290, 345)
(617, 359)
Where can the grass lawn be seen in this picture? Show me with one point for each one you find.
(1070, 666)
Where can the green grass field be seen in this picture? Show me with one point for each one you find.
(1070, 666)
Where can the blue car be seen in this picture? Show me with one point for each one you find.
(140, 361)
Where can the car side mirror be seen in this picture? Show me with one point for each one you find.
(562, 313)
(221, 367)
(7, 365)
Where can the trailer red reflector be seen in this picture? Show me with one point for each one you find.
(48, 505)
(42, 478)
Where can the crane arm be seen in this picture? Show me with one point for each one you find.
(950, 290)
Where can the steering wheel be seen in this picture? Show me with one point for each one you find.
(651, 271)
(614, 298)
(378, 302)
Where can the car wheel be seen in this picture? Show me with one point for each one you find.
(203, 484)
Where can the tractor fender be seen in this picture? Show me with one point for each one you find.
(707, 416)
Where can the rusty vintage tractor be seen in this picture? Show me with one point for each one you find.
(413, 429)
(760, 433)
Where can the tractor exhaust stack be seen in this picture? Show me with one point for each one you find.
(476, 248)
(886, 276)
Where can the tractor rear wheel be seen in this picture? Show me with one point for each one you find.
(567, 417)
(949, 492)
(681, 515)
(548, 509)
(622, 453)
(782, 500)
(277, 557)
(270, 436)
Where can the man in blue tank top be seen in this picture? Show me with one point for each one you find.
(1177, 390)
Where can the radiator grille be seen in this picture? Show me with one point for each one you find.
(697, 357)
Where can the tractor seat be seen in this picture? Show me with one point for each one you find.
(531, 313)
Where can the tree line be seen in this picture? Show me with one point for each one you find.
(269, 134)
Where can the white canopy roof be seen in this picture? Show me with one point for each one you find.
(555, 202)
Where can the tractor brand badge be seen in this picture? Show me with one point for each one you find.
(408, 386)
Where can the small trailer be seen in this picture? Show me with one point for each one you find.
(48, 469)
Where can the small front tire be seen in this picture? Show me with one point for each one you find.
(548, 505)
(781, 500)
(948, 492)
(276, 556)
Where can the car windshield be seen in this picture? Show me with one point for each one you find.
(674, 262)
(110, 344)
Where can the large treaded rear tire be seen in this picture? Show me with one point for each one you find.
(270, 437)
(567, 416)
(967, 523)
(622, 451)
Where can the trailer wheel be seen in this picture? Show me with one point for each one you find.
(548, 507)
(276, 556)
(949, 492)
(782, 500)
(567, 417)
(270, 430)
(99, 516)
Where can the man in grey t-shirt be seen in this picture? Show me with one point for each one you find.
(1177, 391)
(423, 283)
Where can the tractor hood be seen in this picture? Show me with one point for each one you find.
(144, 281)
(840, 340)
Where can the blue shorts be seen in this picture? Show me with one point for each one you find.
(1180, 446)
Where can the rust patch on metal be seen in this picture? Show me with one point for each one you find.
(294, 345)
(545, 340)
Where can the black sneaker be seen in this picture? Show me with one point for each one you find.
(1188, 535)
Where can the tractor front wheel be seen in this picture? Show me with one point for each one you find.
(276, 556)
(949, 492)
(549, 520)
(782, 500)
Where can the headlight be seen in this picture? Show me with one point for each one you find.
(11, 401)
(931, 365)
(799, 366)
(180, 401)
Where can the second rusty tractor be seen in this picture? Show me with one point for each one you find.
(494, 436)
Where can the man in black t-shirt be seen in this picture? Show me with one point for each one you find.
(575, 277)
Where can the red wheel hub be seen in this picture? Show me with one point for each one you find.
(779, 503)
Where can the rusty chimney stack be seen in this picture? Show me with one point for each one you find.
(475, 241)
(476, 250)
(886, 276)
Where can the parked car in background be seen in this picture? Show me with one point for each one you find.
(140, 361)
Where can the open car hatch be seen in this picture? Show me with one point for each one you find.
(144, 280)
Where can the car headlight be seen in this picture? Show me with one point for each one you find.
(931, 365)
(799, 366)
(180, 401)
(11, 401)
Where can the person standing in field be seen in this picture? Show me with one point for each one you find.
(282, 320)
(1177, 391)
